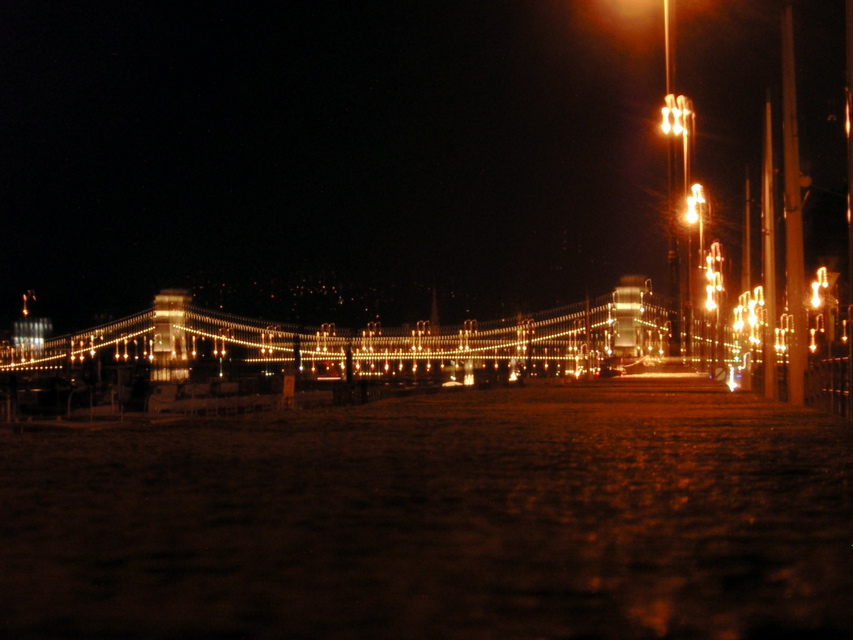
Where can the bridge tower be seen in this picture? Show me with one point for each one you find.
(170, 355)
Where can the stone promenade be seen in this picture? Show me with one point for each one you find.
(629, 508)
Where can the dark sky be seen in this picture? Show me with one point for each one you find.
(505, 150)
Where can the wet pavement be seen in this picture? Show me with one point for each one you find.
(626, 508)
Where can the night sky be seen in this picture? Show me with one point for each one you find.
(505, 153)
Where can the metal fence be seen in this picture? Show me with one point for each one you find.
(827, 386)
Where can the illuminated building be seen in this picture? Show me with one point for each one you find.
(28, 337)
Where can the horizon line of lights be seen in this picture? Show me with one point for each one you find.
(419, 342)
(191, 312)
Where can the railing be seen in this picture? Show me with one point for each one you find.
(828, 386)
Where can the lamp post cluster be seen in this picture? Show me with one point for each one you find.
(804, 325)
(679, 120)
(749, 317)
(748, 333)
(824, 310)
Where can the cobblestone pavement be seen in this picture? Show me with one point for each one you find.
(627, 508)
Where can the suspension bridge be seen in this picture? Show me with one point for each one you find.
(176, 348)
(175, 340)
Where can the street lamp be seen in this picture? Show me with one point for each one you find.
(694, 202)
(676, 113)
(679, 120)
(713, 264)
(822, 282)
(697, 211)
(714, 289)
(824, 303)
(697, 206)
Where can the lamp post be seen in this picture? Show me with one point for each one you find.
(697, 206)
(824, 307)
(668, 58)
(697, 212)
(713, 302)
(673, 260)
(679, 120)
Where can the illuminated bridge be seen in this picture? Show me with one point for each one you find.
(175, 341)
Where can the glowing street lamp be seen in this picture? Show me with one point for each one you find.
(822, 282)
(713, 263)
(824, 302)
(695, 213)
(677, 115)
(714, 290)
(816, 301)
(679, 120)
(694, 202)
(696, 205)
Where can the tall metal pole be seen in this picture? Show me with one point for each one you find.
(849, 299)
(746, 266)
(794, 260)
(666, 47)
(689, 145)
(673, 260)
(768, 230)
(746, 249)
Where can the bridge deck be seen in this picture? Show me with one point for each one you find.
(629, 508)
